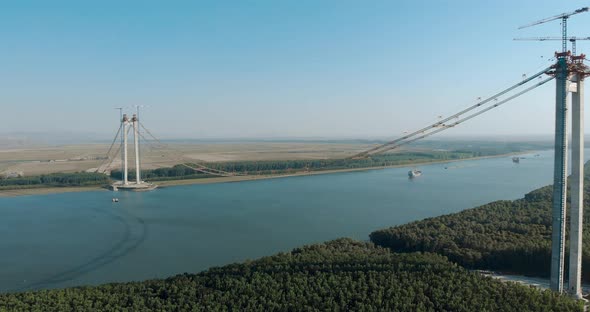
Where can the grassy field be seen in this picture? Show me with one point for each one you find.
(33, 162)
(36, 160)
(76, 158)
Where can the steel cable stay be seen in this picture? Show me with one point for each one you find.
(114, 140)
(506, 83)
(440, 126)
(200, 168)
(151, 135)
(432, 129)
(149, 142)
(196, 167)
(445, 127)
(468, 117)
(454, 116)
(110, 162)
(109, 152)
(207, 170)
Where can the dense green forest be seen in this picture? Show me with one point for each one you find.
(55, 179)
(510, 236)
(341, 275)
(292, 166)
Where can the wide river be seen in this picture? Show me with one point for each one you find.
(68, 239)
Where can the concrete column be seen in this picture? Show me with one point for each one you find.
(559, 179)
(121, 143)
(136, 143)
(577, 189)
(125, 166)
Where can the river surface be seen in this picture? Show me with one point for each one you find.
(69, 239)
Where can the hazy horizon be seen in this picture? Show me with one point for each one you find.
(59, 138)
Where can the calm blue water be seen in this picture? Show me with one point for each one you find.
(60, 240)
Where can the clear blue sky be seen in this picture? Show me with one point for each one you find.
(310, 68)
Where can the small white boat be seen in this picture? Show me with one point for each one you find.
(414, 173)
(115, 200)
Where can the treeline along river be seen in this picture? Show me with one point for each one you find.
(69, 239)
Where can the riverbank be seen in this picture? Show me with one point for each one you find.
(68, 189)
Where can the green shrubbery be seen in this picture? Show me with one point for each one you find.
(55, 179)
(509, 236)
(342, 275)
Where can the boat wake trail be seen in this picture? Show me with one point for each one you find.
(134, 234)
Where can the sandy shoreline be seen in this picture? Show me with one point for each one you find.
(54, 190)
